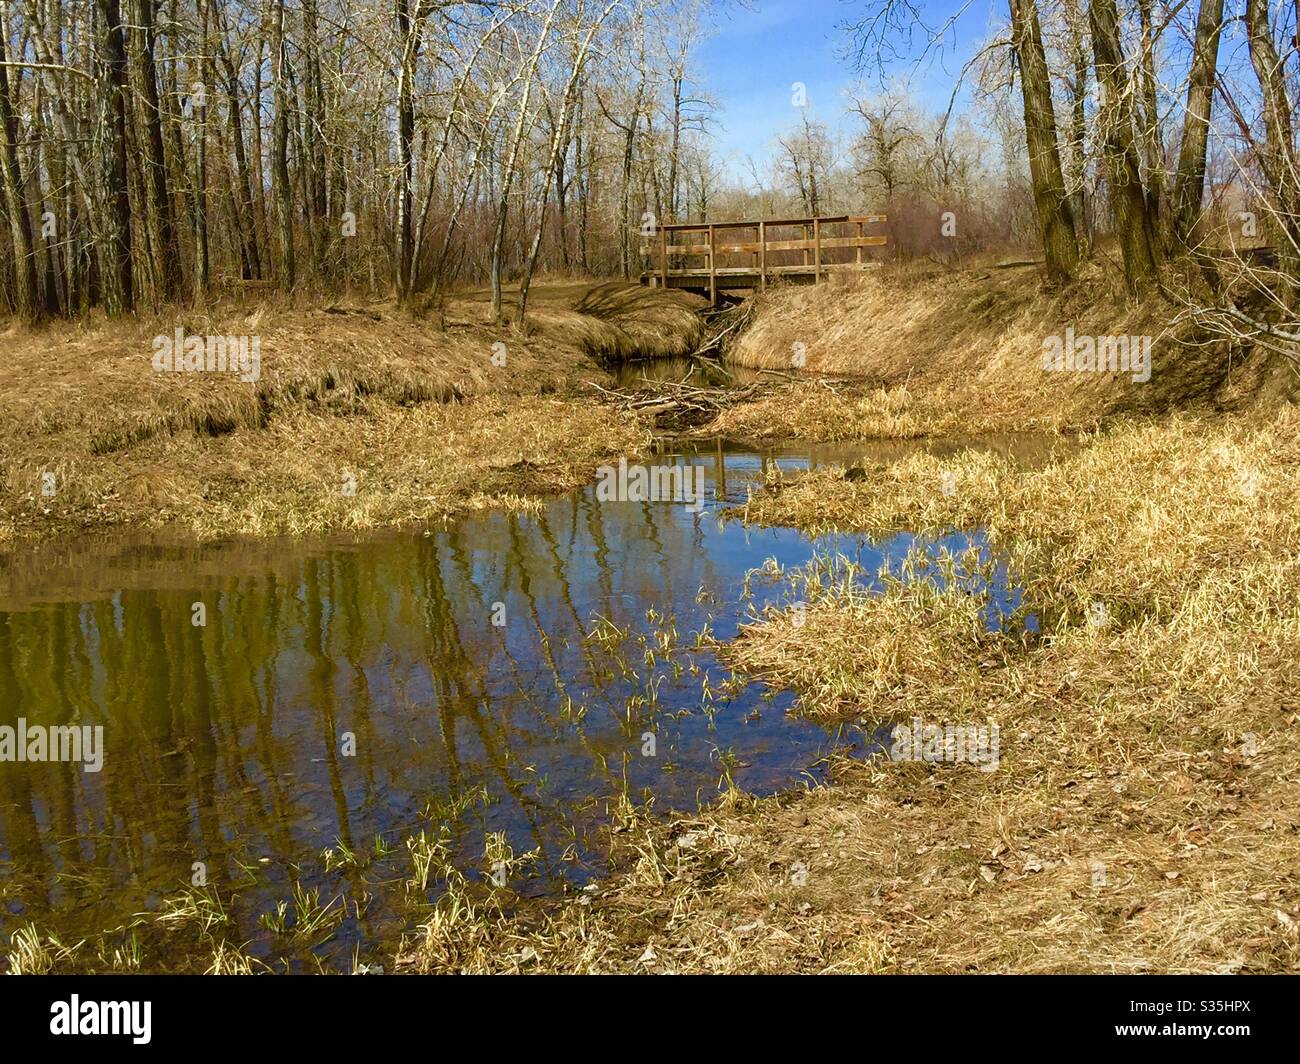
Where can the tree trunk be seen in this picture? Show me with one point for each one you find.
(245, 211)
(1152, 145)
(558, 141)
(582, 165)
(512, 160)
(199, 114)
(313, 131)
(674, 148)
(1055, 220)
(55, 243)
(20, 222)
(409, 36)
(169, 268)
(259, 155)
(625, 193)
(625, 201)
(1189, 186)
(1130, 205)
(119, 289)
(280, 151)
(1076, 24)
(180, 183)
(1079, 206)
(1279, 162)
(562, 191)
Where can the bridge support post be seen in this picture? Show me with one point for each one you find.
(713, 273)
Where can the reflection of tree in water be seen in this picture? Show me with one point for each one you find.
(224, 742)
(460, 678)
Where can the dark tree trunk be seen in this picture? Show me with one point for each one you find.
(20, 222)
(313, 131)
(1055, 219)
(1152, 145)
(119, 288)
(1189, 184)
(1130, 205)
(280, 151)
(409, 39)
(245, 211)
(169, 268)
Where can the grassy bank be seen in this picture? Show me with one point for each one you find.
(1145, 811)
(432, 416)
(427, 417)
(932, 351)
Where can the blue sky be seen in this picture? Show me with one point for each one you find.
(755, 56)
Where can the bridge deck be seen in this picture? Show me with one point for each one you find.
(744, 255)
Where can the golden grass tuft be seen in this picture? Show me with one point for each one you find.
(639, 322)
(811, 410)
(1139, 511)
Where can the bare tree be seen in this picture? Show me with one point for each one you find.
(20, 222)
(1130, 205)
(1055, 219)
(119, 289)
(807, 155)
(558, 139)
(184, 143)
(888, 143)
(280, 147)
(1189, 186)
(511, 160)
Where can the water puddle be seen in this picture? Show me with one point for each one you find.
(511, 680)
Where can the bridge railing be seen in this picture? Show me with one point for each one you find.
(747, 254)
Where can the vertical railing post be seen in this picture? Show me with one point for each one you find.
(713, 273)
(858, 249)
(817, 250)
(663, 257)
(762, 256)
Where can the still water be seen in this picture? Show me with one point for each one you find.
(495, 681)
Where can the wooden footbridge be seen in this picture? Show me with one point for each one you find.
(713, 257)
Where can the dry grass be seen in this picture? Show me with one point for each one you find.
(941, 351)
(419, 413)
(409, 465)
(811, 410)
(1145, 813)
(1129, 519)
(635, 322)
